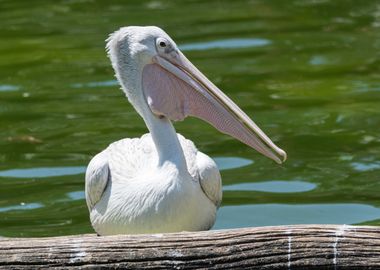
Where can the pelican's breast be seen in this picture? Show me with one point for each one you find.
(142, 198)
(131, 158)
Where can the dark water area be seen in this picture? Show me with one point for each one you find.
(307, 72)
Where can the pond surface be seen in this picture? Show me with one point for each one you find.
(307, 72)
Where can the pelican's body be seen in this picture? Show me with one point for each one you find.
(143, 197)
(161, 182)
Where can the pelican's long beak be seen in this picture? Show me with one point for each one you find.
(175, 88)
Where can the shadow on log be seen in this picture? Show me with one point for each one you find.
(279, 247)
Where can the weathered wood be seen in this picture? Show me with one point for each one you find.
(280, 247)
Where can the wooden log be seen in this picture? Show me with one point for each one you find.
(279, 247)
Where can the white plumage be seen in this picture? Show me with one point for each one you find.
(127, 193)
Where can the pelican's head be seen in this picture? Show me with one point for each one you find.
(156, 76)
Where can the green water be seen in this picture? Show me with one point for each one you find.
(307, 71)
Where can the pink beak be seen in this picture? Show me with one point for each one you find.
(175, 88)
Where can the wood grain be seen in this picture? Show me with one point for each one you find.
(279, 247)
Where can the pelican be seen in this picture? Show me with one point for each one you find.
(161, 182)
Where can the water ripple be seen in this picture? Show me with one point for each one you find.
(318, 60)
(287, 214)
(227, 163)
(108, 83)
(276, 186)
(365, 167)
(8, 88)
(76, 195)
(21, 206)
(43, 172)
(226, 44)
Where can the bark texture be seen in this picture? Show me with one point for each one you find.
(278, 247)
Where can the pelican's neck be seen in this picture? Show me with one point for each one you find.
(162, 131)
(166, 140)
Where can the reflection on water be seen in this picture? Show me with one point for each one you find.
(286, 214)
(76, 195)
(363, 87)
(227, 163)
(8, 88)
(225, 44)
(21, 206)
(43, 172)
(108, 83)
(317, 60)
(273, 186)
(364, 167)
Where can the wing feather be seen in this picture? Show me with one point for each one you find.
(97, 177)
(209, 178)
(203, 169)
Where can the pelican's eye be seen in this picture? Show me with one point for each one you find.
(162, 44)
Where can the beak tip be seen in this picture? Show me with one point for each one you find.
(283, 155)
(281, 158)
